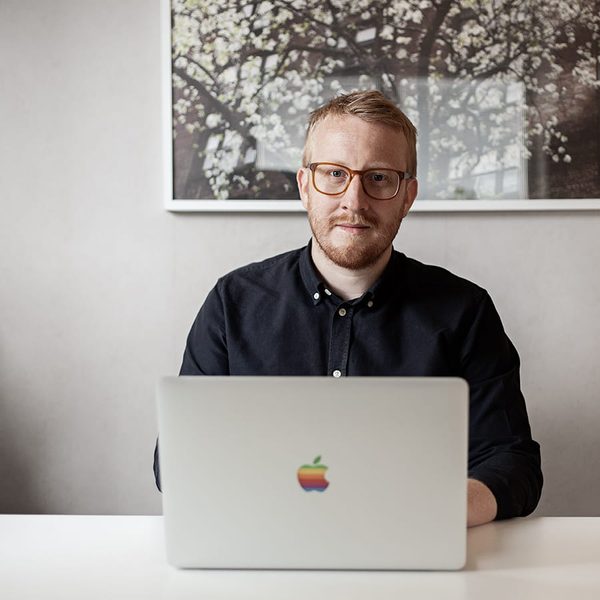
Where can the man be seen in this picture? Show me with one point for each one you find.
(348, 304)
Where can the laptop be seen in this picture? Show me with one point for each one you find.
(314, 472)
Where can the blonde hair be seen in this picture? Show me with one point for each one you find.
(371, 106)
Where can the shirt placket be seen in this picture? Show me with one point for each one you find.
(339, 348)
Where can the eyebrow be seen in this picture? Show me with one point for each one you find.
(369, 168)
(343, 164)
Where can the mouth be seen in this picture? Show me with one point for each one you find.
(353, 227)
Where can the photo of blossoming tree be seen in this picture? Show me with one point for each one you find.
(505, 94)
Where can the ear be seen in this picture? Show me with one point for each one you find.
(412, 188)
(302, 181)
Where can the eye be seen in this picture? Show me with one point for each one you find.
(378, 177)
(337, 173)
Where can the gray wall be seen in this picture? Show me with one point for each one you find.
(99, 284)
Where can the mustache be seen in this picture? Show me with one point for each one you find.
(353, 221)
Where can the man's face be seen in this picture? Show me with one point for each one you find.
(352, 229)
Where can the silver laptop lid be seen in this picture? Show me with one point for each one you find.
(314, 472)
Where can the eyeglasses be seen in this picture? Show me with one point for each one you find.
(380, 184)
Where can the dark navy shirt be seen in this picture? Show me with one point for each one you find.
(277, 317)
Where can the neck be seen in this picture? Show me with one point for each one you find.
(348, 283)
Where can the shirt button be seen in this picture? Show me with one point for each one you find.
(316, 295)
(337, 373)
(370, 303)
(342, 312)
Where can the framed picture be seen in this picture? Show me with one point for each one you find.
(505, 96)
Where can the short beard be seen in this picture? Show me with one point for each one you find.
(358, 255)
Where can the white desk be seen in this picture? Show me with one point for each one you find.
(88, 558)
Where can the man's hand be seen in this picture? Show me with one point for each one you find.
(481, 503)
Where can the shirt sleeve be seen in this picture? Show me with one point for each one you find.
(502, 454)
(205, 350)
(206, 346)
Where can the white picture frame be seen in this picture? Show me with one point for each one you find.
(178, 204)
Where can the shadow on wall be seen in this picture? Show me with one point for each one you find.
(18, 490)
(570, 450)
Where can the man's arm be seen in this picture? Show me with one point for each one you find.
(502, 455)
(205, 350)
(206, 346)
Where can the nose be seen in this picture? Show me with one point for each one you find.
(354, 198)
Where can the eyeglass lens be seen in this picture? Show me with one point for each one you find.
(378, 183)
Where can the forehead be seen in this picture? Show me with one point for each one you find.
(358, 144)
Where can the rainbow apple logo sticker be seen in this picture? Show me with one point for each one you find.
(312, 477)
